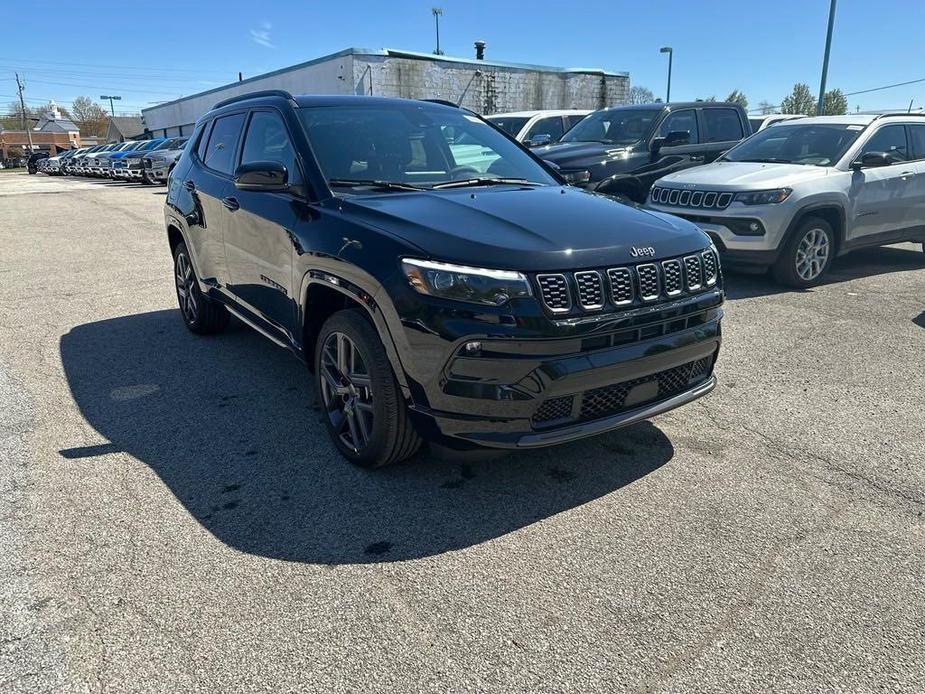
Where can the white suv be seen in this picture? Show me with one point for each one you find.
(537, 128)
(796, 195)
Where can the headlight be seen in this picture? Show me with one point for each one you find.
(462, 283)
(764, 197)
(576, 176)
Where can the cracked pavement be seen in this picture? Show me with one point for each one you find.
(173, 518)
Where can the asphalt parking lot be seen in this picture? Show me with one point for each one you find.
(173, 517)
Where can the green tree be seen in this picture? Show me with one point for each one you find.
(709, 99)
(834, 103)
(90, 117)
(737, 97)
(641, 95)
(800, 100)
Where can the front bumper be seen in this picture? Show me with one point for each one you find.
(722, 226)
(534, 392)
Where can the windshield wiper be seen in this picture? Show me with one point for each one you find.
(361, 182)
(770, 160)
(485, 181)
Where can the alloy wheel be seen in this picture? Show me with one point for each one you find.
(186, 289)
(812, 254)
(346, 388)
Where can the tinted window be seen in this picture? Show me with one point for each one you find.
(917, 135)
(415, 143)
(546, 126)
(619, 126)
(722, 124)
(572, 121)
(818, 144)
(685, 121)
(891, 140)
(203, 135)
(268, 140)
(510, 125)
(755, 123)
(222, 141)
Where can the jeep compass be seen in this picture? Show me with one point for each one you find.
(471, 307)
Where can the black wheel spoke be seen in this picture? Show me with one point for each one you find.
(346, 389)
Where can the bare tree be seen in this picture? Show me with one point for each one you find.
(765, 108)
(90, 117)
(641, 95)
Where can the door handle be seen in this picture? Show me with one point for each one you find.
(697, 157)
(906, 175)
(190, 186)
(231, 203)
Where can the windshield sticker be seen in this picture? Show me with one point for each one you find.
(855, 127)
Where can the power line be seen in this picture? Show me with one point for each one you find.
(888, 86)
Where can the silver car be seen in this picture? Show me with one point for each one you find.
(794, 196)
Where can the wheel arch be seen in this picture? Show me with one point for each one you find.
(323, 294)
(831, 212)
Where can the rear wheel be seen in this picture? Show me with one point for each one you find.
(201, 314)
(807, 255)
(364, 410)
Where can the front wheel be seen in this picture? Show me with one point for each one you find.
(807, 255)
(364, 410)
(201, 314)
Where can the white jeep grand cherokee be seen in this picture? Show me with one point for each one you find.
(796, 195)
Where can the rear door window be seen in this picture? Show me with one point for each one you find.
(722, 125)
(223, 140)
(917, 139)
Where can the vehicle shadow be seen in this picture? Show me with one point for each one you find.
(868, 262)
(230, 426)
(919, 320)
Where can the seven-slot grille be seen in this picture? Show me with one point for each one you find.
(591, 290)
(706, 199)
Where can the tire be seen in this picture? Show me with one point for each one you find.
(801, 263)
(200, 314)
(367, 420)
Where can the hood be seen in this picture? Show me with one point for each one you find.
(731, 175)
(531, 229)
(569, 155)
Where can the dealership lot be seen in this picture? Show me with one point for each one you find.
(174, 517)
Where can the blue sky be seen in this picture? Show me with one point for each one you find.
(761, 48)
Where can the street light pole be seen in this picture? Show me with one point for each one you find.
(438, 13)
(670, 52)
(111, 107)
(825, 59)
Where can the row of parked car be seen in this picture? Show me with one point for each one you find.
(145, 161)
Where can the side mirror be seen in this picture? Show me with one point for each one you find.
(871, 160)
(538, 140)
(268, 176)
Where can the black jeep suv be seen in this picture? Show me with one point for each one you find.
(622, 151)
(458, 293)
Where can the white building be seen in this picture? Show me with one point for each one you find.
(481, 85)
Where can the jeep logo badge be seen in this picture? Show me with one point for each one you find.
(642, 251)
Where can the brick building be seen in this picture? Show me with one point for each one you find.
(53, 134)
(484, 86)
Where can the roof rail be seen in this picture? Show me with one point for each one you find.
(903, 114)
(255, 95)
(442, 102)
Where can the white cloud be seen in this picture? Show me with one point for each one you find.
(262, 35)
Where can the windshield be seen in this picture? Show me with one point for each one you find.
(511, 125)
(172, 143)
(150, 144)
(812, 144)
(617, 126)
(417, 144)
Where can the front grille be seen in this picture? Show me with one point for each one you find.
(553, 410)
(610, 400)
(705, 199)
(555, 292)
(590, 290)
(148, 163)
(620, 287)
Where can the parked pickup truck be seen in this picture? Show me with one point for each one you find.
(622, 151)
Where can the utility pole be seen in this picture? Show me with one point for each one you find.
(22, 105)
(825, 59)
(438, 13)
(670, 51)
(111, 107)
